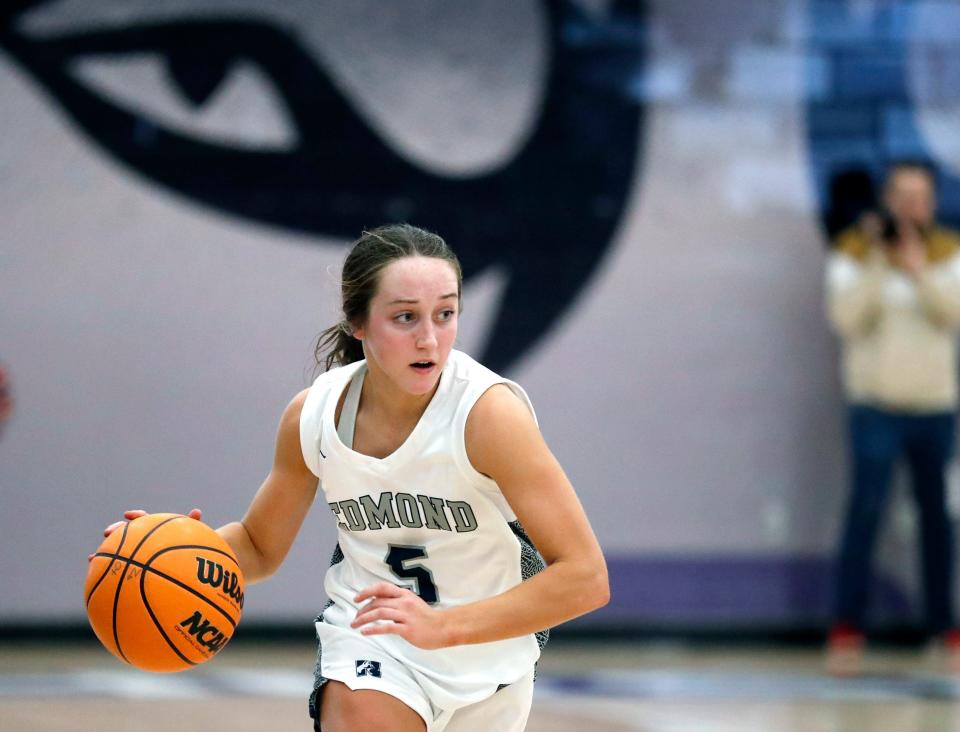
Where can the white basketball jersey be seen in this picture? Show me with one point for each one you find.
(422, 518)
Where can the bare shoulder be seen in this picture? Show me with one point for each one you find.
(288, 433)
(291, 414)
(498, 407)
(296, 404)
(499, 428)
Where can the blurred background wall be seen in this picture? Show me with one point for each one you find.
(641, 195)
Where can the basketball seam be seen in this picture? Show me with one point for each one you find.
(123, 538)
(116, 597)
(143, 593)
(188, 588)
(178, 583)
(116, 635)
(146, 604)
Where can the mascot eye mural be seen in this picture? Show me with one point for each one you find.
(544, 218)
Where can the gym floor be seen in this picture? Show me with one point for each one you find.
(594, 687)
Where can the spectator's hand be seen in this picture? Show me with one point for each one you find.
(910, 252)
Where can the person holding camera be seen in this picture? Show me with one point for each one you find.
(893, 298)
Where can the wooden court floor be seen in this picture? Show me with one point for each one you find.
(602, 687)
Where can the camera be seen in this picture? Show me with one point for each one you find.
(891, 228)
(889, 231)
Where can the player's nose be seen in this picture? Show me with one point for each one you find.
(427, 335)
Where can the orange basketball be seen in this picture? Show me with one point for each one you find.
(164, 592)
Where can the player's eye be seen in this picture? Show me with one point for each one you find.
(446, 314)
(405, 317)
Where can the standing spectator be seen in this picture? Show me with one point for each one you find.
(893, 290)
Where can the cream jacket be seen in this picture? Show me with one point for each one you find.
(898, 331)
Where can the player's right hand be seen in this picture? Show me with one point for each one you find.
(136, 513)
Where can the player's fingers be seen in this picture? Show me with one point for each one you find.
(90, 557)
(382, 613)
(129, 516)
(372, 605)
(195, 513)
(375, 605)
(384, 628)
(380, 589)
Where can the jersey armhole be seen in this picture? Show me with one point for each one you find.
(311, 427)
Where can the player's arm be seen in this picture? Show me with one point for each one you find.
(262, 538)
(504, 442)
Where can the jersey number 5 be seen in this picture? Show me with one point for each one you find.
(398, 558)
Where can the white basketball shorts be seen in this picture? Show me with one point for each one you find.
(358, 662)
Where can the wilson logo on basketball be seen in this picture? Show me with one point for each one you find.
(204, 631)
(213, 574)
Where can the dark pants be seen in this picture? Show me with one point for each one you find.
(878, 439)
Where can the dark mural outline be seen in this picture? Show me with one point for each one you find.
(546, 218)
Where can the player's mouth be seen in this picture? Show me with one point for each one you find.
(423, 367)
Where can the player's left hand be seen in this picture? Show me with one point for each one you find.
(406, 614)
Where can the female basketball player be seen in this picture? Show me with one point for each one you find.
(427, 461)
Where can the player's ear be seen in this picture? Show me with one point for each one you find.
(357, 331)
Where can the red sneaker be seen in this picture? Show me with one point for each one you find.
(845, 645)
(951, 648)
